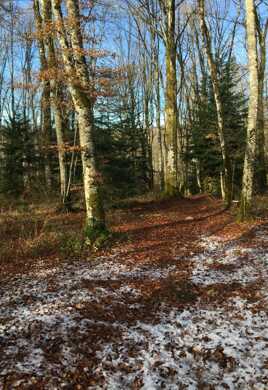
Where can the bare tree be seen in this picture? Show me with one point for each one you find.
(262, 30)
(45, 99)
(69, 33)
(227, 181)
(250, 156)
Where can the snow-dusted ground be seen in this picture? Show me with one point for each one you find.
(48, 332)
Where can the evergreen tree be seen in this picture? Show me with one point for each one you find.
(18, 158)
(121, 148)
(205, 143)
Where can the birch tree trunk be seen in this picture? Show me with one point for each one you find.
(227, 176)
(250, 155)
(55, 98)
(160, 182)
(171, 175)
(79, 85)
(45, 97)
(43, 17)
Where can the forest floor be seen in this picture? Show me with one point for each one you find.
(180, 301)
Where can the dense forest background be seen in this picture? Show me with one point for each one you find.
(130, 96)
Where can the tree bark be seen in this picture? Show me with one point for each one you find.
(79, 84)
(261, 174)
(45, 97)
(227, 175)
(171, 140)
(250, 155)
(55, 98)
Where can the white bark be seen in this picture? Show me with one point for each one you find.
(52, 64)
(250, 156)
(78, 83)
(226, 184)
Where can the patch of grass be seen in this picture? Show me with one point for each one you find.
(32, 233)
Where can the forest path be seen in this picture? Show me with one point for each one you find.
(181, 304)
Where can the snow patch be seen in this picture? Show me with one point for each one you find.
(209, 265)
(192, 348)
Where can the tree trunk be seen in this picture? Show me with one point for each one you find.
(55, 97)
(46, 131)
(60, 144)
(157, 150)
(261, 173)
(78, 83)
(227, 175)
(45, 97)
(250, 156)
(171, 174)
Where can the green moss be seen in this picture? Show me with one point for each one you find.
(245, 212)
(171, 191)
(96, 234)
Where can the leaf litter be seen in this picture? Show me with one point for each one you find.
(196, 322)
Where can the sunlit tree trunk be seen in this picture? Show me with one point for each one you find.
(45, 97)
(227, 176)
(55, 98)
(250, 156)
(79, 86)
(171, 175)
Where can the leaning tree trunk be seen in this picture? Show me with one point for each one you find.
(79, 87)
(227, 172)
(250, 156)
(171, 174)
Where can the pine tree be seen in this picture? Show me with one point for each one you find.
(206, 148)
(19, 161)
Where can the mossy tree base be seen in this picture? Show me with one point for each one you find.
(172, 192)
(245, 211)
(96, 234)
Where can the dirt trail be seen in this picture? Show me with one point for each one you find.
(180, 304)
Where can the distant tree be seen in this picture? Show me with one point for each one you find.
(19, 161)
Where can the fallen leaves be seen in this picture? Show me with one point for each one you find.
(166, 308)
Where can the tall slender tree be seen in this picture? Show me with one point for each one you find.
(227, 181)
(69, 32)
(56, 95)
(250, 156)
(261, 174)
(172, 186)
(45, 97)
